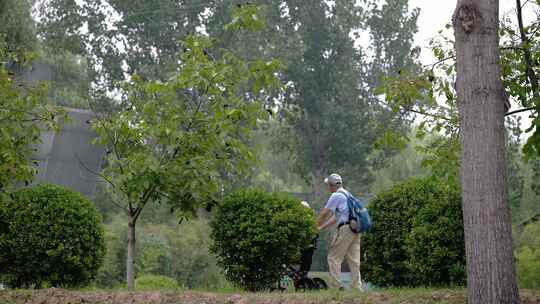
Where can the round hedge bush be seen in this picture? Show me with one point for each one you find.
(51, 237)
(417, 237)
(255, 234)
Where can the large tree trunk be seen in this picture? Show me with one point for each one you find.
(131, 253)
(481, 102)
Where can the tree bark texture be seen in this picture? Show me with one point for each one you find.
(481, 102)
(319, 189)
(131, 254)
(318, 174)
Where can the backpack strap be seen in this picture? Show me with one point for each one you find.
(348, 197)
(344, 193)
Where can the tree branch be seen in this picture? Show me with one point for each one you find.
(426, 113)
(511, 47)
(524, 3)
(433, 65)
(410, 109)
(113, 141)
(529, 71)
(102, 177)
(144, 200)
(520, 110)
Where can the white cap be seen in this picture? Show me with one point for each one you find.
(333, 179)
(305, 204)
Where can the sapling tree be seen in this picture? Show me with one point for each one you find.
(175, 141)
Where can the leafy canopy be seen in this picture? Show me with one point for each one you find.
(175, 140)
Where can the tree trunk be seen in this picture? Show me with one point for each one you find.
(319, 188)
(318, 173)
(131, 253)
(481, 101)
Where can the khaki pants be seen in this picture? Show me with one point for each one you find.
(345, 244)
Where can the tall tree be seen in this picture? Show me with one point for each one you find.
(431, 95)
(331, 127)
(329, 107)
(120, 37)
(18, 30)
(482, 106)
(335, 130)
(172, 140)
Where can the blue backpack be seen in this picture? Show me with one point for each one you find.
(359, 219)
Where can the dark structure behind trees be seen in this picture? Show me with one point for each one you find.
(67, 158)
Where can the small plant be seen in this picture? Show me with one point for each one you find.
(417, 238)
(50, 236)
(255, 234)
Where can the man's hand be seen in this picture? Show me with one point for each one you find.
(324, 221)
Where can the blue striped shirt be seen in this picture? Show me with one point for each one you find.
(337, 203)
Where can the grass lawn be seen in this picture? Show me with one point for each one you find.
(390, 296)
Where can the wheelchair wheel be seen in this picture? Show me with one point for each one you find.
(319, 284)
(285, 283)
(304, 284)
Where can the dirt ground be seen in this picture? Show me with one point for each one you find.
(60, 296)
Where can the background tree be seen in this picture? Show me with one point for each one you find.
(18, 31)
(121, 37)
(333, 129)
(329, 79)
(329, 82)
(480, 91)
(70, 84)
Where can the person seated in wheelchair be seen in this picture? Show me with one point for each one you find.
(300, 276)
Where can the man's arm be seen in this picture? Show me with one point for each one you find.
(324, 217)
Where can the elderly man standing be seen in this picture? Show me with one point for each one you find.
(345, 243)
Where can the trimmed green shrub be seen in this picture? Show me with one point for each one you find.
(52, 237)
(255, 234)
(155, 282)
(417, 237)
